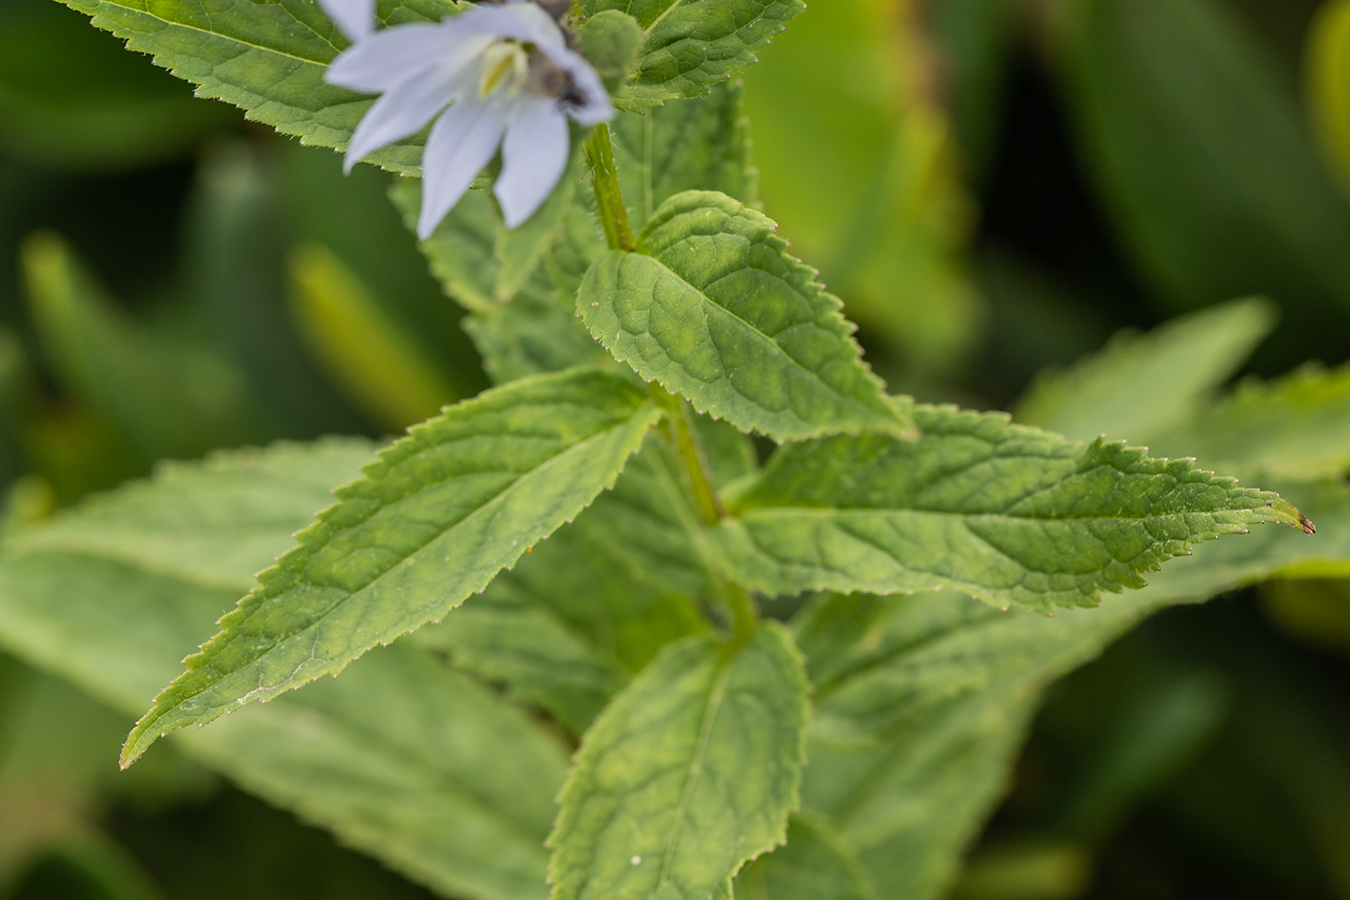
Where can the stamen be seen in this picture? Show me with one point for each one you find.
(504, 61)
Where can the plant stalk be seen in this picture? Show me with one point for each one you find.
(680, 433)
(608, 196)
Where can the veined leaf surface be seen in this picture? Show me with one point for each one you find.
(691, 771)
(714, 308)
(568, 626)
(433, 520)
(402, 757)
(1014, 516)
(691, 45)
(267, 58)
(922, 702)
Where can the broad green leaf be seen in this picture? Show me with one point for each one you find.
(362, 349)
(714, 308)
(1014, 516)
(923, 701)
(814, 863)
(1141, 383)
(1217, 191)
(684, 146)
(436, 516)
(573, 620)
(1297, 427)
(1328, 79)
(689, 773)
(267, 58)
(401, 757)
(691, 45)
(165, 395)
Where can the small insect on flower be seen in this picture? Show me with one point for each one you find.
(498, 74)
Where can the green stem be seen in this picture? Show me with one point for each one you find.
(684, 441)
(608, 196)
(680, 433)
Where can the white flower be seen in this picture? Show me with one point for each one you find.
(497, 74)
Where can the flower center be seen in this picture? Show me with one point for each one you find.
(506, 64)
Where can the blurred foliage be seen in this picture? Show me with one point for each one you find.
(994, 186)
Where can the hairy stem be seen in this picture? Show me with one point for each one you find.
(608, 197)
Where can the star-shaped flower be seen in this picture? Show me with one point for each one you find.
(498, 74)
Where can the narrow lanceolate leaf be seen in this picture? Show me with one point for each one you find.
(714, 308)
(1012, 515)
(1297, 427)
(690, 45)
(689, 773)
(267, 58)
(1141, 383)
(433, 520)
(402, 757)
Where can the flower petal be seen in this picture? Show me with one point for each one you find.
(399, 113)
(594, 107)
(462, 142)
(356, 18)
(395, 55)
(525, 22)
(534, 155)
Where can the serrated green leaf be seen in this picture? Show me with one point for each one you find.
(815, 863)
(1139, 384)
(684, 146)
(401, 757)
(691, 45)
(714, 308)
(1012, 515)
(359, 346)
(689, 773)
(1297, 427)
(267, 58)
(433, 520)
(567, 627)
(923, 701)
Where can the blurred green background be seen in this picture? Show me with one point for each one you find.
(995, 187)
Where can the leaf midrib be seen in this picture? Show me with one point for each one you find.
(225, 37)
(824, 512)
(715, 698)
(274, 689)
(707, 301)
